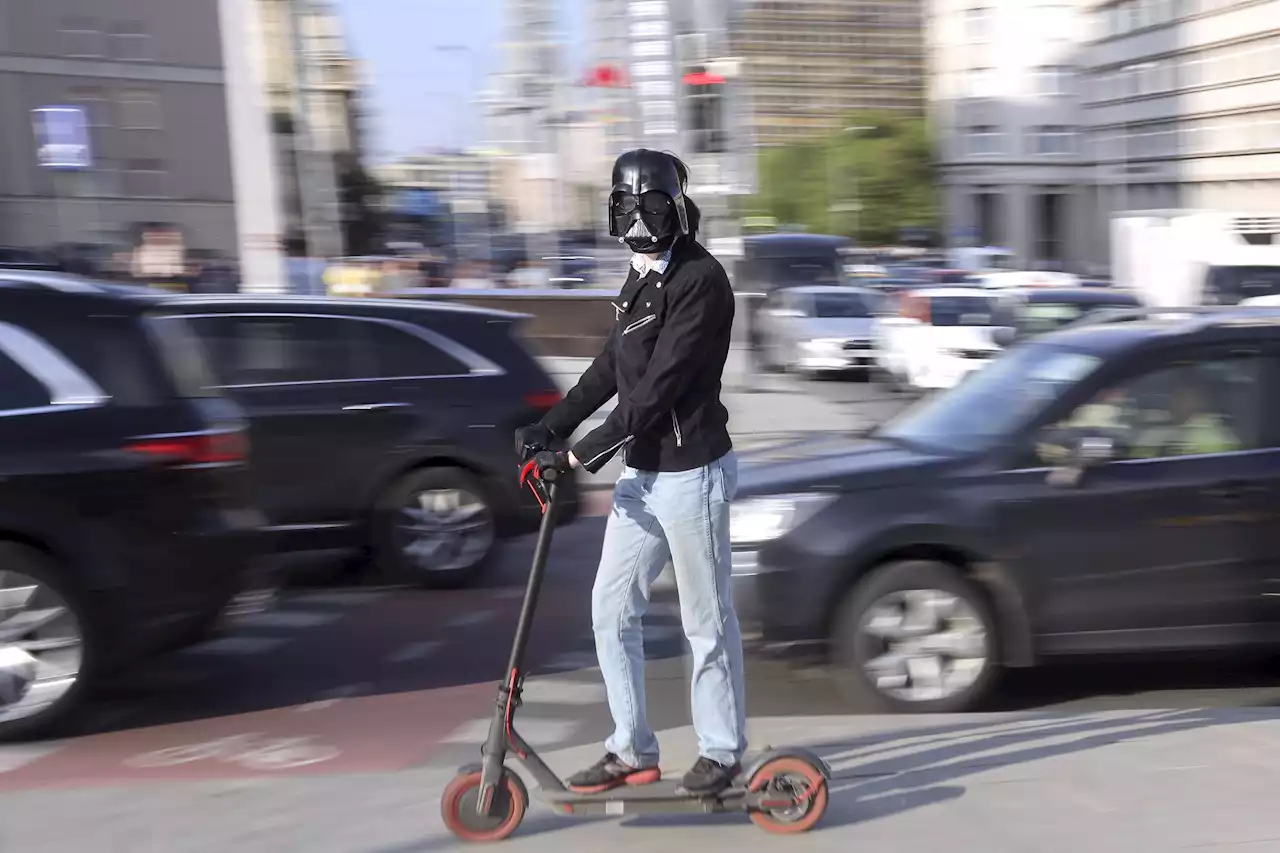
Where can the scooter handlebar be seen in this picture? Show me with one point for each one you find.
(538, 482)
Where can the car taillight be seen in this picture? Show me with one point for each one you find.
(203, 448)
(542, 400)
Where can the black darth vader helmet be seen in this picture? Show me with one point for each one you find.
(647, 204)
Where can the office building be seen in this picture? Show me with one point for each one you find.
(149, 75)
(1004, 94)
(811, 63)
(1182, 108)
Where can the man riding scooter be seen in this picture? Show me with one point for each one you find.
(664, 359)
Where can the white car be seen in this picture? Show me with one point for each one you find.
(939, 335)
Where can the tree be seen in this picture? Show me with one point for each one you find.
(865, 184)
(358, 196)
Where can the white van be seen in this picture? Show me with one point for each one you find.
(939, 335)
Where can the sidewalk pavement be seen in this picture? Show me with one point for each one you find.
(1119, 782)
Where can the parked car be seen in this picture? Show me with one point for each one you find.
(1104, 488)
(818, 329)
(931, 339)
(383, 426)
(126, 525)
(1040, 310)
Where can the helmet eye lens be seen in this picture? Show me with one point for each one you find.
(625, 203)
(654, 203)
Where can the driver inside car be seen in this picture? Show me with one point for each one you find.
(1190, 429)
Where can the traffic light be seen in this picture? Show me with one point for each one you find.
(704, 97)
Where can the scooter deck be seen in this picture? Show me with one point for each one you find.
(662, 796)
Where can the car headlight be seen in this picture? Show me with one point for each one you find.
(755, 521)
(823, 344)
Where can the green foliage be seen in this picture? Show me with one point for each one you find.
(888, 170)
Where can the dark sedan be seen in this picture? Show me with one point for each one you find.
(1040, 310)
(1107, 488)
(381, 425)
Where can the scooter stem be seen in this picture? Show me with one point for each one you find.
(541, 551)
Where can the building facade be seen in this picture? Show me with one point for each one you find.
(1182, 108)
(149, 75)
(1054, 116)
(812, 63)
(313, 88)
(1005, 103)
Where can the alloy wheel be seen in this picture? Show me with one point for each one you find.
(446, 530)
(927, 644)
(41, 647)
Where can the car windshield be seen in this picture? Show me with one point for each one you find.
(967, 311)
(842, 305)
(994, 402)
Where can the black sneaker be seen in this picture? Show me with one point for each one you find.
(609, 773)
(709, 777)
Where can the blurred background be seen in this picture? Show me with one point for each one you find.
(901, 190)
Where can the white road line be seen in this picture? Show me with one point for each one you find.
(20, 755)
(535, 731)
(353, 598)
(415, 651)
(289, 619)
(563, 692)
(467, 620)
(237, 645)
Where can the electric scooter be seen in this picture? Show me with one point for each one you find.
(783, 790)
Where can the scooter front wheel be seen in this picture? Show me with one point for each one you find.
(458, 808)
(798, 787)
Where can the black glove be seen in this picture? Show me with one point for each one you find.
(551, 464)
(532, 439)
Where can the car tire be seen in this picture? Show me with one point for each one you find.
(53, 589)
(435, 527)
(915, 674)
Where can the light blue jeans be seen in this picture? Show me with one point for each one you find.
(683, 517)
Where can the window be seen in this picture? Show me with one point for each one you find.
(400, 354)
(982, 82)
(977, 24)
(94, 102)
(1052, 80)
(129, 41)
(1053, 139)
(139, 110)
(80, 37)
(19, 389)
(984, 139)
(143, 178)
(112, 351)
(1189, 409)
(993, 403)
(280, 350)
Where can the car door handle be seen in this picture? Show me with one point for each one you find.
(374, 407)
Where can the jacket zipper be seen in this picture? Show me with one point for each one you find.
(675, 422)
(638, 323)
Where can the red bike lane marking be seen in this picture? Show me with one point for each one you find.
(359, 735)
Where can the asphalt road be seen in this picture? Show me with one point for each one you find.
(365, 679)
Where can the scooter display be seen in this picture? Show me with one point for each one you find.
(783, 790)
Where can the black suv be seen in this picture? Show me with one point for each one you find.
(126, 525)
(1107, 488)
(382, 425)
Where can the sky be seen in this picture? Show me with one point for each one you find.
(418, 96)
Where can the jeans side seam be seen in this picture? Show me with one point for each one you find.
(622, 647)
(714, 562)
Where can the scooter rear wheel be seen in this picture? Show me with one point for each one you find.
(794, 779)
(458, 808)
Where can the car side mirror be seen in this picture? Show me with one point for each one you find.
(1004, 336)
(1087, 452)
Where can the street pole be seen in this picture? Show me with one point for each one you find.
(856, 206)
